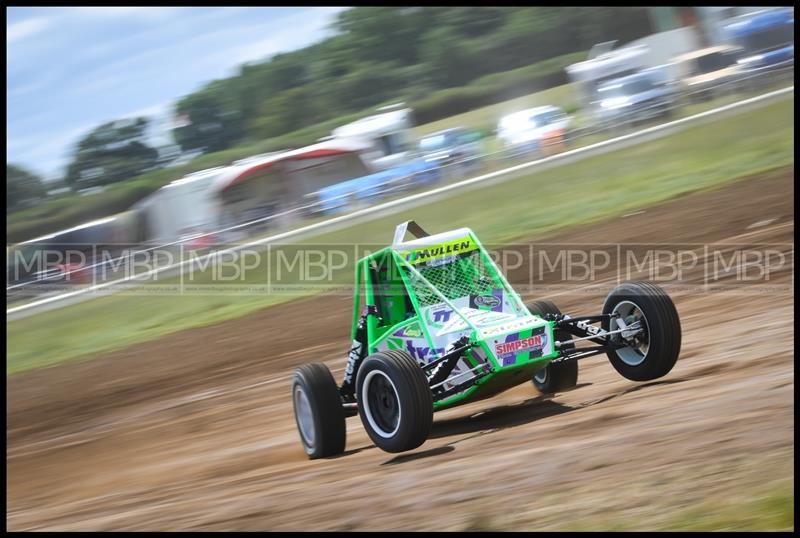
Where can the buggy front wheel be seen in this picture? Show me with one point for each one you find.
(652, 347)
(395, 402)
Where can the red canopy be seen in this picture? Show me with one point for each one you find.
(239, 172)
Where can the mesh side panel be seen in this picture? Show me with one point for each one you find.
(459, 278)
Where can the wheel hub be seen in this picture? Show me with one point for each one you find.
(638, 343)
(382, 406)
(305, 418)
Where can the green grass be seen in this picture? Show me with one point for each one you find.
(599, 187)
(531, 206)
(770, 509)
(738, 491)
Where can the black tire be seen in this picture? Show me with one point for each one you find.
(558, 377)
(395, 402)
(662, 338)
(320, 418)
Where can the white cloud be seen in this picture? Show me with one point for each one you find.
(102, 64)
(18, 31)
(148, 13)
(182, 55)
(150, 111)
(46, 156)
(27, 88)
(296, 31)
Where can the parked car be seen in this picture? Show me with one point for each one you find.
(368, 189)
(454, 146)
(536, 129)
(633, 98)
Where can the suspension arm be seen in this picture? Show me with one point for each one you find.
(443, 366)
(577, 354)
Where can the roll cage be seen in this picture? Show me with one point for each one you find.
(428, 287)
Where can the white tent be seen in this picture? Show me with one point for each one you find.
(249, 189)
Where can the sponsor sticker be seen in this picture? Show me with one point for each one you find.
(438, 314)
(429, 254)
(507, 327)
(488, 301)
(513, 345)
(532, 342)
(477, 317)
(413, 332)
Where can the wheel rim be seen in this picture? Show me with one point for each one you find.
(636, 352)
(381, 404)
(304, 416)
(541, 376)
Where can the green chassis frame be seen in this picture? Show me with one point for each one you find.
(367, 333)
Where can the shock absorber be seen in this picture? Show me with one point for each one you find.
(357, 354)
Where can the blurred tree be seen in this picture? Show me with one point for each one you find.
(288, 111)
(21, 186)
(378, 54)
(450, 60)
(214, 117)
(383, 34)
(112, 152)
(370, 84)
(471, 22)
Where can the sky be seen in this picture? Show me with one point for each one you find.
(71, 69)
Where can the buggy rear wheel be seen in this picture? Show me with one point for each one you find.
(395, 402)
(652, 352)
(318, 411)
(561, 376)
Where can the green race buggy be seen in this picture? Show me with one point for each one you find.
(438, 325)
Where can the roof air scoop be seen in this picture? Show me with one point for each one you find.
(408, 226)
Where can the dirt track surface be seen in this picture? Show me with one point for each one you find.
(195, 430)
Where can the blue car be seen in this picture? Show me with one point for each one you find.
(341, 196)
(766, 37)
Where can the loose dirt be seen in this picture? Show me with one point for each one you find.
(195, 430)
